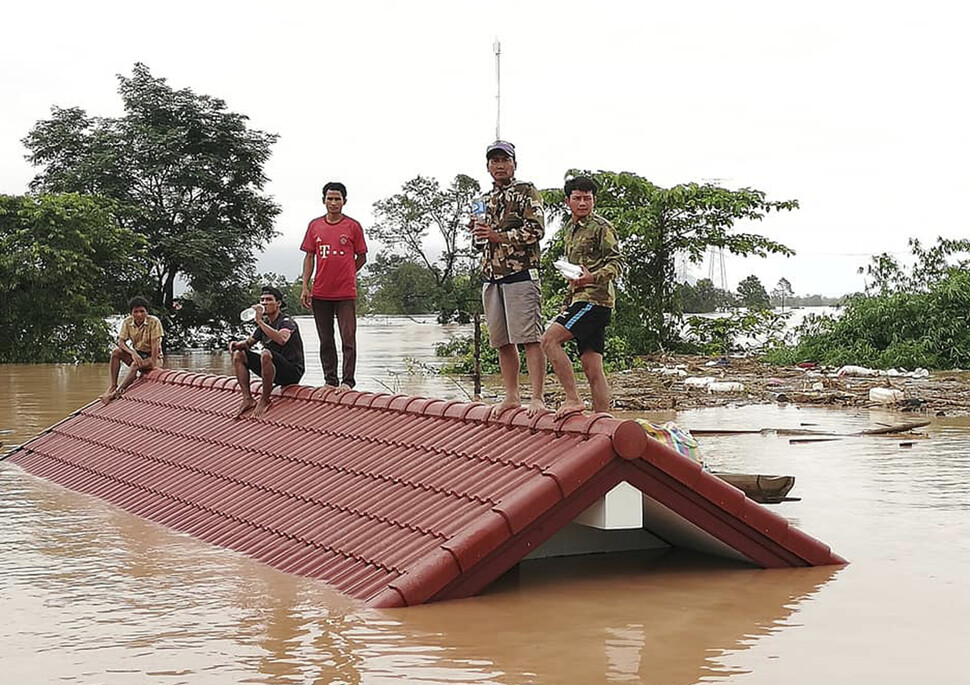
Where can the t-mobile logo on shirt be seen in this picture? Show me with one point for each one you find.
(336, 248)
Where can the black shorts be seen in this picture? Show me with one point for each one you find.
(287, 373)
(143, 355)
(587, 322)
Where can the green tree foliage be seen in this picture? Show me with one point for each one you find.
(756, 329)
(886, 276)
(752, 294)
(783, 293)
(656, 224)
(421, 221)
(398, 285)
(183, 170)
(814, 301)
(906, 318)
(702, 297)
(64, 263)
(461, 351)
(201, 312)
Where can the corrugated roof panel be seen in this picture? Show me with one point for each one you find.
(394, 500)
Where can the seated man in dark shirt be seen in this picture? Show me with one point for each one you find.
(281, 360)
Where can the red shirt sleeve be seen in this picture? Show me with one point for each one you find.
(308, 244)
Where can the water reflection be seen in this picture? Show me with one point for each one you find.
(102, 596)
(627, 618)
(91, 586)
(395, 354)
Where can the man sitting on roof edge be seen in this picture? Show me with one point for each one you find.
(281, 360)
(139, 346)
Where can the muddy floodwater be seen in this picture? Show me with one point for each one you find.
(92, 594)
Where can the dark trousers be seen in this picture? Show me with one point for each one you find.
(346, 314)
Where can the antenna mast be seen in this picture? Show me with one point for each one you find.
(498, 86)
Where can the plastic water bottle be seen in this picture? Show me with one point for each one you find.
(247, 315)
(478, 212)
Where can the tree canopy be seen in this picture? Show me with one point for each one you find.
(908, 317)
(64, 262)
(182, 170)
(431, 266)
(703, 297)
(655, 225)
(782, 293)
(752, 294)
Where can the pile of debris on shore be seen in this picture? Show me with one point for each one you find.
(683, 382)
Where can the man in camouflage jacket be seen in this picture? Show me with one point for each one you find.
(590, 242)
(509, 240)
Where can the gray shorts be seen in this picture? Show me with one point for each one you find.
(513, 312)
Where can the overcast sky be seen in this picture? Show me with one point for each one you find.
(858, 110)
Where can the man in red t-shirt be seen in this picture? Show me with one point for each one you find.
(336, 243)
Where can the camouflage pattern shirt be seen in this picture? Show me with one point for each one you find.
(592, 242)
(514, 209)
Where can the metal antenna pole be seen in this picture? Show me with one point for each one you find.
(498, 87)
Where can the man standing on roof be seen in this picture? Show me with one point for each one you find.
(281, 360)
(590, 242)
(336, 243)
(144, 333)
(509, 240)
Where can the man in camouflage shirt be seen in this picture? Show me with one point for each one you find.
(509, 240)
(591, 243)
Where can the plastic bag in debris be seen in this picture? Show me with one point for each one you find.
(885, 395)
(669, 371)
(673, 436)
(903, 373)
(860, 371)
(725, 386)
(698, 381)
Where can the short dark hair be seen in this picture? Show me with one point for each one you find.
(583, 184)
(137, 301)
(338, 186)
(275, 292)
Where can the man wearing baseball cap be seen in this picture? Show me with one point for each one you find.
(280, 362)
(509, 240)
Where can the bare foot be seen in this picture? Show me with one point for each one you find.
(261, 407)
(107, 395)
(244, 406)
(536, 406)
(342, 389)
(569, 408)
(498, 409)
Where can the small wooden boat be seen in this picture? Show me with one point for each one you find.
(761, 488)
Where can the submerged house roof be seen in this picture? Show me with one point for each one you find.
(394, 500)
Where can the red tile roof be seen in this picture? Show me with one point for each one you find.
(395, 500)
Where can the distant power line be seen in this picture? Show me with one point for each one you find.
(852, 254)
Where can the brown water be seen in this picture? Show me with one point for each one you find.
(91, 594)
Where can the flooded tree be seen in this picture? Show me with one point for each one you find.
(702, 297)
(910, 315)
(655, 225)
(64, 264)
(752, 294)
(432, 267)
(183, 171)
(782, 293)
